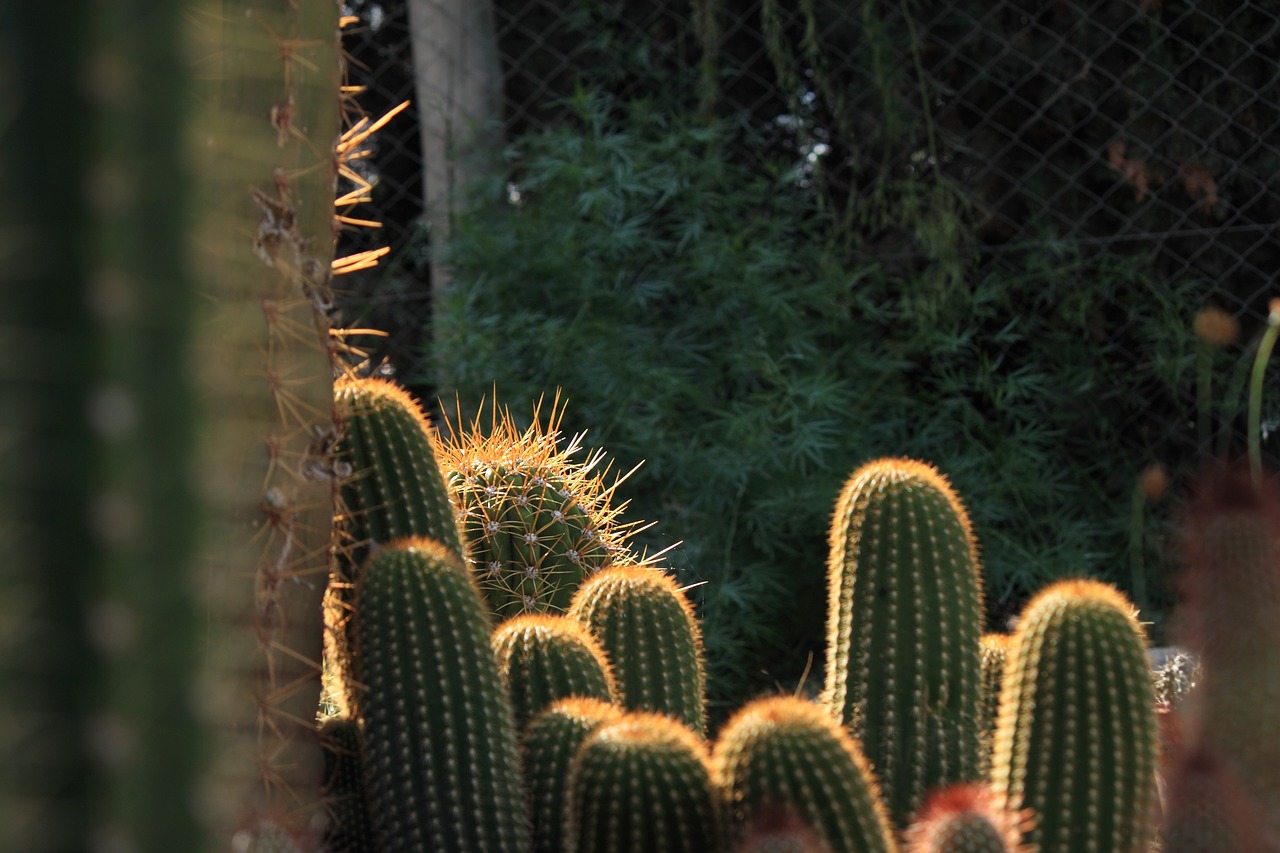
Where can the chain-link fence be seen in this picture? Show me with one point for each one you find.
(1123, 128)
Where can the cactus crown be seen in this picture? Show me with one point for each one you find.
(966, 819)
(537, 520)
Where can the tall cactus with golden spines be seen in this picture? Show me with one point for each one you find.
(537, 520)
(642, 784)
(550, 741)
(790, 753)
(440, 750)
(544, 657)
(904, 619)
(647, 627)
(1076, 737)
(1231, 597)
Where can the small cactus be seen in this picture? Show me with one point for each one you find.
(543, 657)
(1076, 736)
(551, 740)
(647, 627)
(537, 521)
(965, 819)
(994, 650)
(440, 752)
(904, 619)
(642, 784)
(786, 752)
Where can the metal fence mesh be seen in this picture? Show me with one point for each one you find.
(1124, 127)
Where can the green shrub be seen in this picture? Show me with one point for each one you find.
(697, 318)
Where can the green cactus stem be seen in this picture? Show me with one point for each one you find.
(544, 657)
(642, 784)
(1076, 737)
(349, 829)
(787, 752)
(646, 625)
(994, 650)
(537, 520)
(903, 624)
(551, 740)
(966, 819)
(440, 751)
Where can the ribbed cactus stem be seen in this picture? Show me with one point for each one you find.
(551, 740)
(646, 625)
(1076, 737)
(441, 763)
(790, 753)
(395, 488)
(349, 829)
(642, 785)
(904, 619)
(965, 819)
(994, 649)
(544, 657)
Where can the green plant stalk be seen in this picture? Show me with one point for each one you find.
(1076, 736)
(647, 628)
(440, 758)
(642, 784)
(904, 621)
(263, 143)
(790, 753)
(1260, 360)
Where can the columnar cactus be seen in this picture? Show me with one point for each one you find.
(544, 657)
(349, 829)
(1231, 595)
(790, 753)
(537, 520)
(647, 627)
(394, 488)
(550, 741)
(994, 649)
(1076, 737)
(965, 819)
(642, 785)
(440, 758)
(904, 620)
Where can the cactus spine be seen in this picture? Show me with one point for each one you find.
(790, 753)
(543, 658)
(440, 758)
(904, 620)
(550, 742)
(642, 785)
(537, 521)
(1076, 737)
(647, 627)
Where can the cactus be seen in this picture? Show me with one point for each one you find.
(551, 740)
(395, 488)
(790, 753)
(994, 650)
(1230, 597)
(1207, 810)
(441, 763)
(776, 829)
(966, 819)
(537, 521)
(349, 830)
(1076, 736)
(646, 626)
(642, 785)
(903, 624)
(542, 658)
